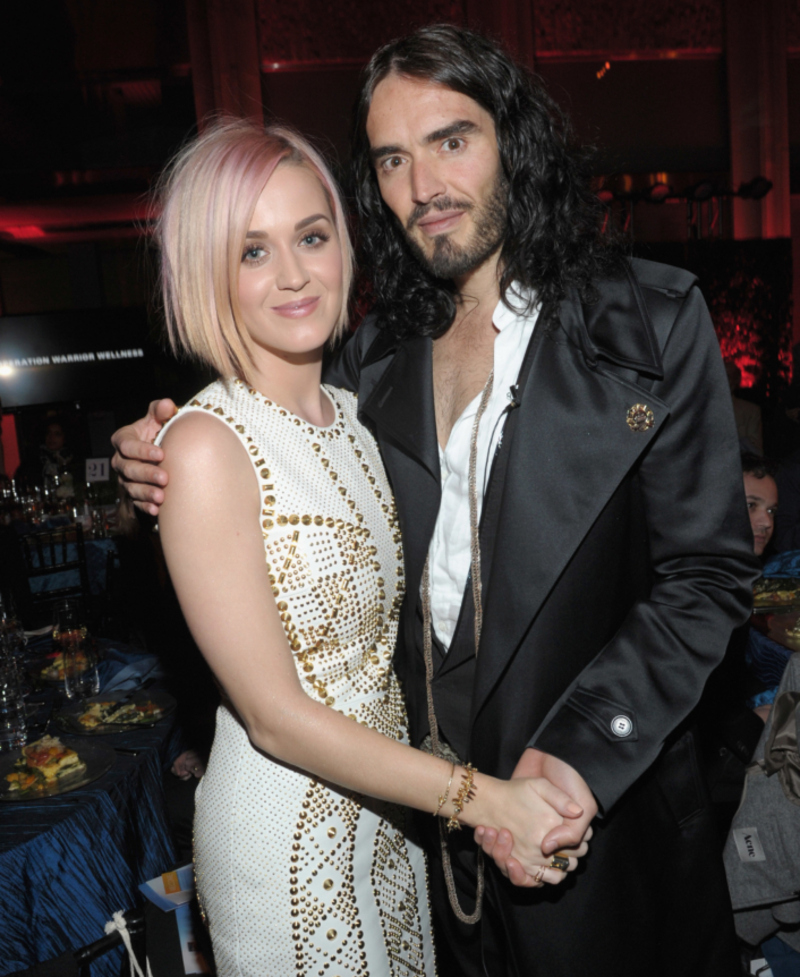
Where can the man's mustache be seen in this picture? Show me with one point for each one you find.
(440, 203)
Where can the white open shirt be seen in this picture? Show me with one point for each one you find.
(450, 546)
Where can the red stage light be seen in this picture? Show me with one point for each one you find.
(24, 231)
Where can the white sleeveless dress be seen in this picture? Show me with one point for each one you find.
(295, 875)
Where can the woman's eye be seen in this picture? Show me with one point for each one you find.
(253, 254)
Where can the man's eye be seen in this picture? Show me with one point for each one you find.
(453, 144)
(391, 163)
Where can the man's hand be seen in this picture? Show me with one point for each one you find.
(136, 458)
(189, 764)
(534, 763)
(570, 838)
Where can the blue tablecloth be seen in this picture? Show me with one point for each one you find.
(783, 565)
(67, 863)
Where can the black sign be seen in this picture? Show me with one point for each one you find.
(97, 355)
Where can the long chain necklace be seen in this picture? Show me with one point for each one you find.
(427, 647)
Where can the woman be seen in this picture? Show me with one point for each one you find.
(280, 534)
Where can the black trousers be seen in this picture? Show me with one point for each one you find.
(649, 900)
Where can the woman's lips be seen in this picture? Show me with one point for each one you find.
(298, 309)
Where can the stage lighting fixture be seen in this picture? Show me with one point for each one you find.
(605, 196)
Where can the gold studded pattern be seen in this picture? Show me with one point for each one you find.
(293, 873)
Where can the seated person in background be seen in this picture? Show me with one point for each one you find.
(731, 714)
(761, 492)
(53, 469)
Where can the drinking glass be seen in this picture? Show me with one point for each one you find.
(11, 626)
(71, 639)
(12, 706)
(16, 641)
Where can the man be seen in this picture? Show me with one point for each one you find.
(729, 730)
(517, 370)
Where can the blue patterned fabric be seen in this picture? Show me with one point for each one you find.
(69, 862)
(762, 699)
(783, 565)
(766, 659)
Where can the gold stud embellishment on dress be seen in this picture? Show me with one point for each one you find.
(640, 418)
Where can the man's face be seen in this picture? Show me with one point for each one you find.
(438, 166)
(762, 502)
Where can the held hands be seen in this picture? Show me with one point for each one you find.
(565, 829)
(136, 458)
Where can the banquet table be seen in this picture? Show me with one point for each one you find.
(67, 863)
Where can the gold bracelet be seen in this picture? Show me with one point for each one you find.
(443, 797)
(463, 797)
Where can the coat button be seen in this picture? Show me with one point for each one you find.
(621, 726)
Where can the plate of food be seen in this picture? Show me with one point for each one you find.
(103, 714)
(50, 766)
(50, 669)
(775, 594)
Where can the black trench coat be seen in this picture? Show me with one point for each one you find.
(623, 558)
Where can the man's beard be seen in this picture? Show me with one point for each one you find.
(450, 260)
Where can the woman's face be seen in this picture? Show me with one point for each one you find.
(290, 278)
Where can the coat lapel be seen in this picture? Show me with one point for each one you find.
(571, 449)
(400, 405)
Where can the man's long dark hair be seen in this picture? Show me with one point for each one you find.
(552, 240)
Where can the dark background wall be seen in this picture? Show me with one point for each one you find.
(95, 96)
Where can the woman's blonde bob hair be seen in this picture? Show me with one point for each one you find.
(206, 198)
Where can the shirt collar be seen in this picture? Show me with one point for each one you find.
(518, 298)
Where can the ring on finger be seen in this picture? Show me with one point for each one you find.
(559, 862)
(539, 874)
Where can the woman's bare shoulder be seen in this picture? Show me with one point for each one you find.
(201, 449)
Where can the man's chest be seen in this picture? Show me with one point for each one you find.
(459, 375)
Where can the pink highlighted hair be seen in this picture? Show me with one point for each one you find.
(207, 196)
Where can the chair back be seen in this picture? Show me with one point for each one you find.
(54, 561)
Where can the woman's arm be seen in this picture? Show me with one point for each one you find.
(212, 540)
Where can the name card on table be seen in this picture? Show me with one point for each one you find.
(170, 890)
(97, 469)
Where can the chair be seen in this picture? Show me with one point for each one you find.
(54, 562)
